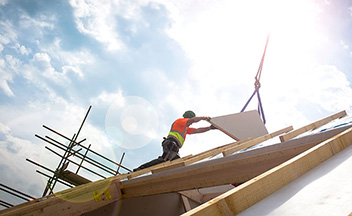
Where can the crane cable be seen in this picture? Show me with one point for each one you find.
(257, 86)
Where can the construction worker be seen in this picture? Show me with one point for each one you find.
(176, 137)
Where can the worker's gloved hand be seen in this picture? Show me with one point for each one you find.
(207, 118)
(212, 127)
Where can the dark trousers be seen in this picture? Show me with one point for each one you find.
(170, 152)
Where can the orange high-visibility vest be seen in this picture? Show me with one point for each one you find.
(179, 130)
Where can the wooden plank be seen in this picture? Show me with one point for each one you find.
(240, 126)
(243, 166)
(190, 159)
(194, 195)
(199, 156)
(249, 193)
(73, 178)
(74, 201)
(155, 167)
(169, 166)
(215, 151)
(219, 171)
(312, 126)
(256, 141)
(186, 204)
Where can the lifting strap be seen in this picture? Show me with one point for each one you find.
(257, 86)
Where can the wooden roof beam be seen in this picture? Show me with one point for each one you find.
(249, 193)
(200, 156)
(312, 126)
(182, 161)
(226, 170)
(256, 141)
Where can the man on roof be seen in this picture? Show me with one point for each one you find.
(176, 137)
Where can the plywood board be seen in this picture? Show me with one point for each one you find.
(241, 126)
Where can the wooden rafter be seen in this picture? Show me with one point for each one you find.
(312, 126)
(249, 193)
(183, 161)
(225, 149)
(220, 171)
(256, 141)
(201, 156)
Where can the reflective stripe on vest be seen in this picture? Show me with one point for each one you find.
(179, 135)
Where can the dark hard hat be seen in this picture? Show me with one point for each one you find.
(189, 114)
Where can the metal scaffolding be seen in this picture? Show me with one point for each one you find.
(75, 149)
(103, 167)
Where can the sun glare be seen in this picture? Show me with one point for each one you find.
(293, 26)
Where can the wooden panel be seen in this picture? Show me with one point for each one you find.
(240, 126)
(312, 126)
(249, 193)
(256, 141)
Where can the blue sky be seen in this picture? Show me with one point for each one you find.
(141, 64)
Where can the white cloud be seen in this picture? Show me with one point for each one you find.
(108, 98)
(14, 150)
(42, 66)
(20, 124)
(38, 24)
(4, 129)
(8, 71)
(95, 18)
(42, 57)
(5, 87)
(98, 19)
(8, 32)
(3, 2)
(333, 91)
(71, 60)
(23, 50)
(344, 45)
(42, 63)
(71, 69)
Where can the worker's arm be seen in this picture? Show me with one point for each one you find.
(197, 119)
(200, 130)
(203, 129)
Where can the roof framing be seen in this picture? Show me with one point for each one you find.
(312, 126)
(247, 194)
(263, 170)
